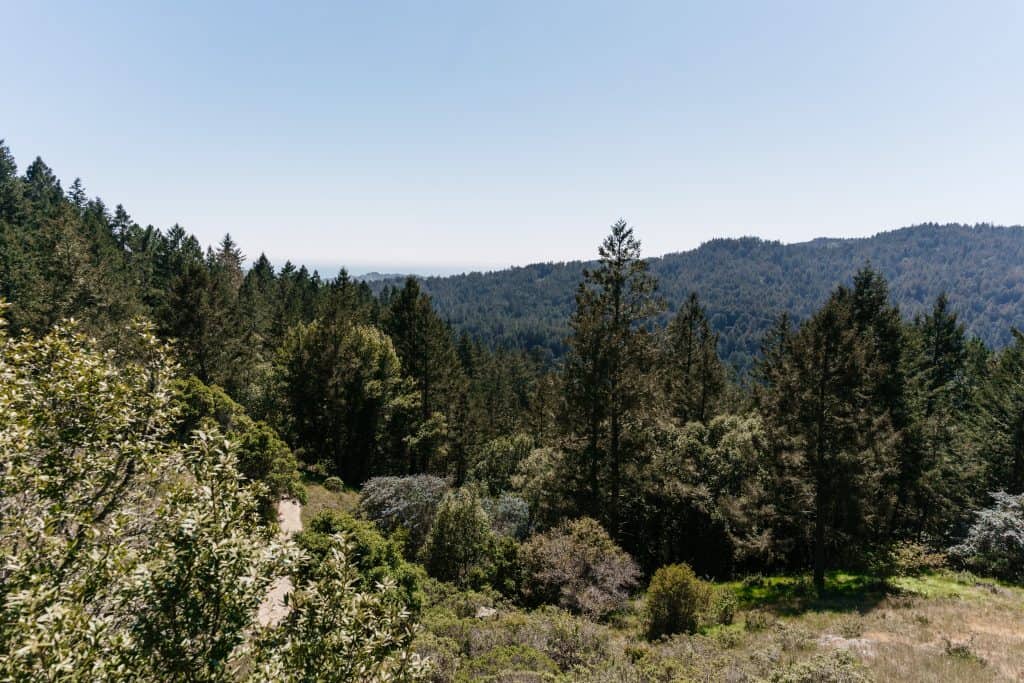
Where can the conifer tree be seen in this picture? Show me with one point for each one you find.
(694, 377)
(605, 379)
(427, 350)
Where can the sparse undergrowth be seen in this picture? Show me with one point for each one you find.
(942, 626)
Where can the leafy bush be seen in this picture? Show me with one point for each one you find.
(907, 558)
(578, 567)
(378, 559)
(508, 663)
(995, 542)
(509, 514)
(354, 634)
(408, 503)
(675, 599)
(131, 556)
(457, 545)
(496, 462)
(722, 607)
(334, 484)
(262, 455)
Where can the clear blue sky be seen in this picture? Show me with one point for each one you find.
(438, 135)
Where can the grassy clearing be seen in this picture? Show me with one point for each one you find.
(319, 499)
(938, 627)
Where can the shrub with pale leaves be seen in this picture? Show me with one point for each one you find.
(580, 568)
(129, 556)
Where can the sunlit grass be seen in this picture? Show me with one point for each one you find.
(319, 499)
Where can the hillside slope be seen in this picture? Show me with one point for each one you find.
(745, 283)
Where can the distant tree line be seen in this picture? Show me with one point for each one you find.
(743, 283)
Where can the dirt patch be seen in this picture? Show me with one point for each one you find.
(273, 608)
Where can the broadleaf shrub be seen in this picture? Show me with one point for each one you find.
(578, 567)
(995, 542)
(675, 600)
(377, 558)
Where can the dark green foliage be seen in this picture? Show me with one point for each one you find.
(605, 387)
(997, 430)
(262, 455)
(675, 599)
(344, 401)
(378, 558)
(835, 394)
(745, 283)
(426, 349)
(693, 377)
(456, 548)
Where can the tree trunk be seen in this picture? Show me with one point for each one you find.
(819, 540)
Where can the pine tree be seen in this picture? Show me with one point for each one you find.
(997, 427)
(427, 350)
(605, 379)
(694, 378)
(835, 396)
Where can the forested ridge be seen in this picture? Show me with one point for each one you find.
(484, 513)
(744, 283)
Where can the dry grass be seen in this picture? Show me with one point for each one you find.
(319, 499)
(942, 627)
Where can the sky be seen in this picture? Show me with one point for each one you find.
(444, 136)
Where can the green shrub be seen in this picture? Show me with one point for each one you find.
(675, 598)
(722, 607)
(262, 455)
(908, 558)
(375, 556)
(836, 667)
(509, 663)
(458, 543)
(333, 484)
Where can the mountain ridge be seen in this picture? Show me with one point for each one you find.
(746, 282)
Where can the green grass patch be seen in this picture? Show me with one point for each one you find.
(790, 595)
(956, 585)
(319, 499)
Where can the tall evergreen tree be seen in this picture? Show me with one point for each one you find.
(835, 398)
(605, 378)
(427, 350)
(997, 428)
(693, 376)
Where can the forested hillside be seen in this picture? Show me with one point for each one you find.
(745, 283)
(480, 513)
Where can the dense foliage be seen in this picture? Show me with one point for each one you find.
(675, 599)
(855, 437)
(744, 283)
(131, 556)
